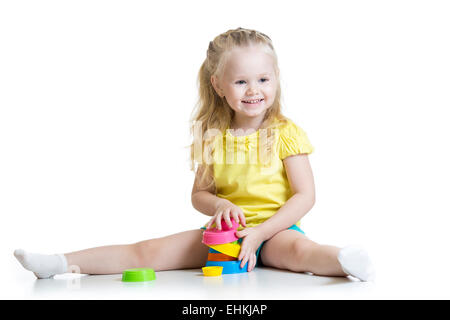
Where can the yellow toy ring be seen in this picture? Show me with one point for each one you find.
(212, 271)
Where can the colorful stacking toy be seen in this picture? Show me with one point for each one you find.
(223, 249)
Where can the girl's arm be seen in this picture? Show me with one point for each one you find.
(301, 180)
(205, 201)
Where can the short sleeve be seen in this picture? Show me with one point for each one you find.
(293, 140)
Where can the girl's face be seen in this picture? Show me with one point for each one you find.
(248, 82)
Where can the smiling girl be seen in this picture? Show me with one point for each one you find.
(251, 165)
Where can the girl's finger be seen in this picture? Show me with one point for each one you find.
(252, 262)
(235, 216)
(242, 218)
(226, 217)
(242, 251)
(241, 255)
(244, 261)
(219, 219)
(216, 218)
(241, 234)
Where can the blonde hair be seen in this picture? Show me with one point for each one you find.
(212, 111)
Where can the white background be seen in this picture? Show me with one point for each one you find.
(95, 100)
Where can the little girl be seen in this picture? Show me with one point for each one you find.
(252, 166)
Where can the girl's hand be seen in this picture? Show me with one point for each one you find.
(226, 210)
(253, 238)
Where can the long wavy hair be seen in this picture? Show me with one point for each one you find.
(213, 112)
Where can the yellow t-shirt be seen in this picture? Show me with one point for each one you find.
(242, 178)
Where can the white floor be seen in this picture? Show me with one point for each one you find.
(262, 283)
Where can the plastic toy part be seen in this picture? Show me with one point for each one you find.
(229, 267)
(216, 236)
(211, 250)
(220, 257)
(225, 227)
(215, 251)
(138, 275)
(230, 249)
(213, 271)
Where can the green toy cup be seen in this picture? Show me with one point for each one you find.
(138, 275)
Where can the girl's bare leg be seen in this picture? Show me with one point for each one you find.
(183, 250)
(293, 251)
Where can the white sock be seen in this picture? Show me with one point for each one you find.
(356, 262)
(42, 265)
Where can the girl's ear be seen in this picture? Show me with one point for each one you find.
(215, 84)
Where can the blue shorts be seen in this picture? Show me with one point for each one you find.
(258, 257)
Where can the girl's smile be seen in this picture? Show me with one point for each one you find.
(254, 102)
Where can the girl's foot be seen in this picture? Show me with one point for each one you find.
(356, 263)
(42, 265)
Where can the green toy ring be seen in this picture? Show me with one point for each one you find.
(138, 275)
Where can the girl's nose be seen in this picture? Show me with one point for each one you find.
(252, 90)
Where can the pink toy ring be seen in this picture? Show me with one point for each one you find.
(226, 235)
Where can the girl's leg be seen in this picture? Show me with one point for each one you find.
(291, 250)
(178, 251)
(182, 250)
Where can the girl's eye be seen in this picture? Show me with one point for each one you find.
(242, 81)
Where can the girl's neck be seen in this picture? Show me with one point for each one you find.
(246, 124)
